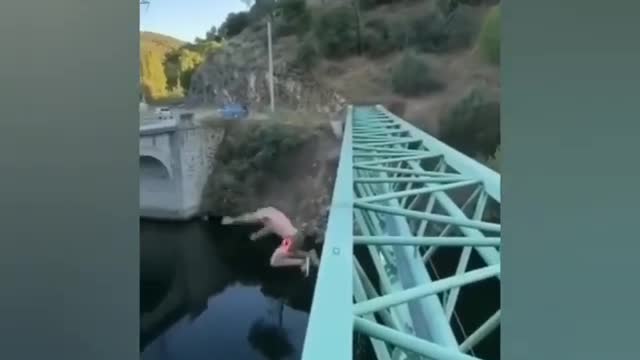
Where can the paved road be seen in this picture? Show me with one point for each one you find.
(148, 114)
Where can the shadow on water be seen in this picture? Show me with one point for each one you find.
(207, 292)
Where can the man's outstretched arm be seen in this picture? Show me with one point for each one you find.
(249, 218)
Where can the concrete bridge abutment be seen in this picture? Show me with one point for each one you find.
(176, 156)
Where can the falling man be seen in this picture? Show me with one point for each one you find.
(290, 252)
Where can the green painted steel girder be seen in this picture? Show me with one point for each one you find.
(394, 195)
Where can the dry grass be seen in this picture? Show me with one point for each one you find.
(362, 80)
(400, 10)
(357, 78)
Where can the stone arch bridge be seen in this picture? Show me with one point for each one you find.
(176, 157)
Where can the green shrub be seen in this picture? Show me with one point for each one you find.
(247, 156)
(298, 27)
(369, 4)
(411, 76)
(374, 44)
(293, 17)
(257, 26)
(234, 24)
(378, 38)
(427, 32)
(260, 9)
(185, 78)
(473, 124)
(489, 40)
(445, 7)
(257, 142)
(448, 28)
(336, 32)
(449, 6)
(180, 64)
(461, 29)
(307, 54)
(378, 24)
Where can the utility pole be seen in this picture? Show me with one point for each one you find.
(271, 96)
(356, 6)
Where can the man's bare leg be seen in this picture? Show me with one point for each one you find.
(301, 254)
(313, 255)
(309, 257)
(281, 258)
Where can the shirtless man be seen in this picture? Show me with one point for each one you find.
(290, 252)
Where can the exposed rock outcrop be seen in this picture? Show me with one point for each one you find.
(239, 73)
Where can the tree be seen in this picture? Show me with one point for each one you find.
(180, 65)
(248, 3)
(472, 126)
(212, 34)
(234, 24)
(307, 54)
(261, 8)
(489, 40)
(336, 32)
(153, 74)
(293, 17)
(410, 76)
(185, 78)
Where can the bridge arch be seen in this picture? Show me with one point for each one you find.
(151, 166)
(153, 161)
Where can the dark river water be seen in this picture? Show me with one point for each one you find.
(207, 292)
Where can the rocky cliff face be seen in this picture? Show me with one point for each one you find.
(239, 73)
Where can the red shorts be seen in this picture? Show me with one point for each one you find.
(287, 245)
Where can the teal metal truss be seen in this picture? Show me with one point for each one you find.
(402, 194)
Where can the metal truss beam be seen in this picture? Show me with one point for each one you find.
(401, 193)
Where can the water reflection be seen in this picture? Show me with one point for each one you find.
(271, 340)
(207, 292)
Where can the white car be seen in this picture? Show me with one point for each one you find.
(163, 113)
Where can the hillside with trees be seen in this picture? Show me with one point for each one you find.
(166, 64)
(153, 49)
(436, 63)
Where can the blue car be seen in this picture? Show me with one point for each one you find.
(234, 111)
